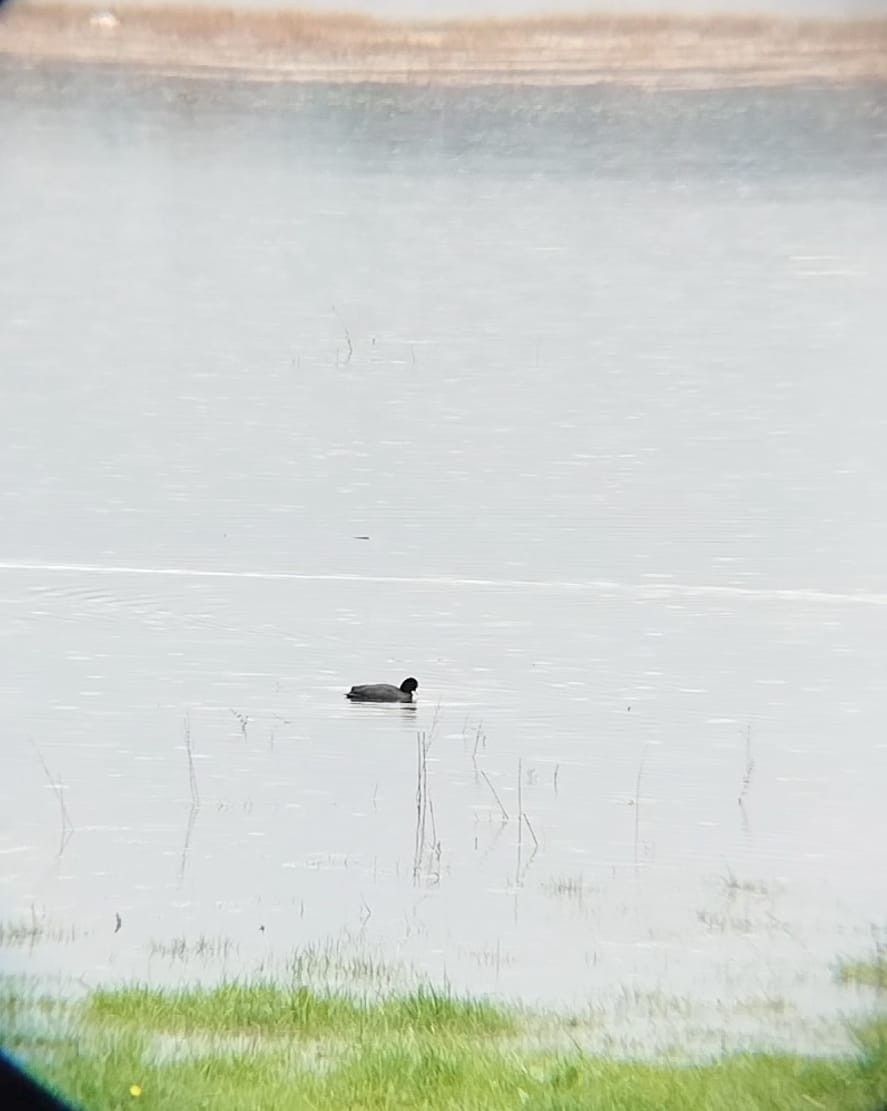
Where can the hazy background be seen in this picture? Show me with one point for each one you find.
(430, 9)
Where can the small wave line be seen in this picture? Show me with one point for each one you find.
(661, 589)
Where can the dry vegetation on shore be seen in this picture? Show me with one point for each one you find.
(656, 51)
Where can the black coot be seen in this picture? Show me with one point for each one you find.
(384, 692)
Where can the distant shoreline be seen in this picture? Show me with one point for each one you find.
(641, 51)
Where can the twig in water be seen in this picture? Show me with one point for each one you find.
(423, 749)
(193, 811)
(478, 737)
(557, 769)
(118, 923)
(192, 772)
(434, 855)
(495, 796)
(532, 832)
(433, 822)
(749, 768)
(243, 719)
(195, 798)
(494, 841)
(434, 722)
(520, 818)
(347, 336)
(421, 801)
(67, 830)
(637, 805)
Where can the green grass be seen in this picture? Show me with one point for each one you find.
(271, 1011)
(871, 971)
(261, 1046)
(869, 974)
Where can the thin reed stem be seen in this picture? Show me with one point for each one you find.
(495, 796)
(67, 826)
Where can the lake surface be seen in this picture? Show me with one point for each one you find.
(570, 403)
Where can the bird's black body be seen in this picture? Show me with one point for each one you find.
(384, 692)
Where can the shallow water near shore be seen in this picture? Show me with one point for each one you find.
(569, 403)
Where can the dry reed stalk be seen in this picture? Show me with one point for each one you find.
(637, 804)
(192, 770)
(478, 737)
(496, 796)
(749, 768)
(242, 719)
(348, 340)
(67, 826)
(532, 832)
(194, 808)
(520, 815)
(421, 801)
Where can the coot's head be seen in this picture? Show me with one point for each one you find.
(409, 685)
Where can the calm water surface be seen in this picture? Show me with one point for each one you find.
(569, 403)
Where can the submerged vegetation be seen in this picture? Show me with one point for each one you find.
(868, 972)
(259, 1045)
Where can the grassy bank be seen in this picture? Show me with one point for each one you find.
(261, 1046)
